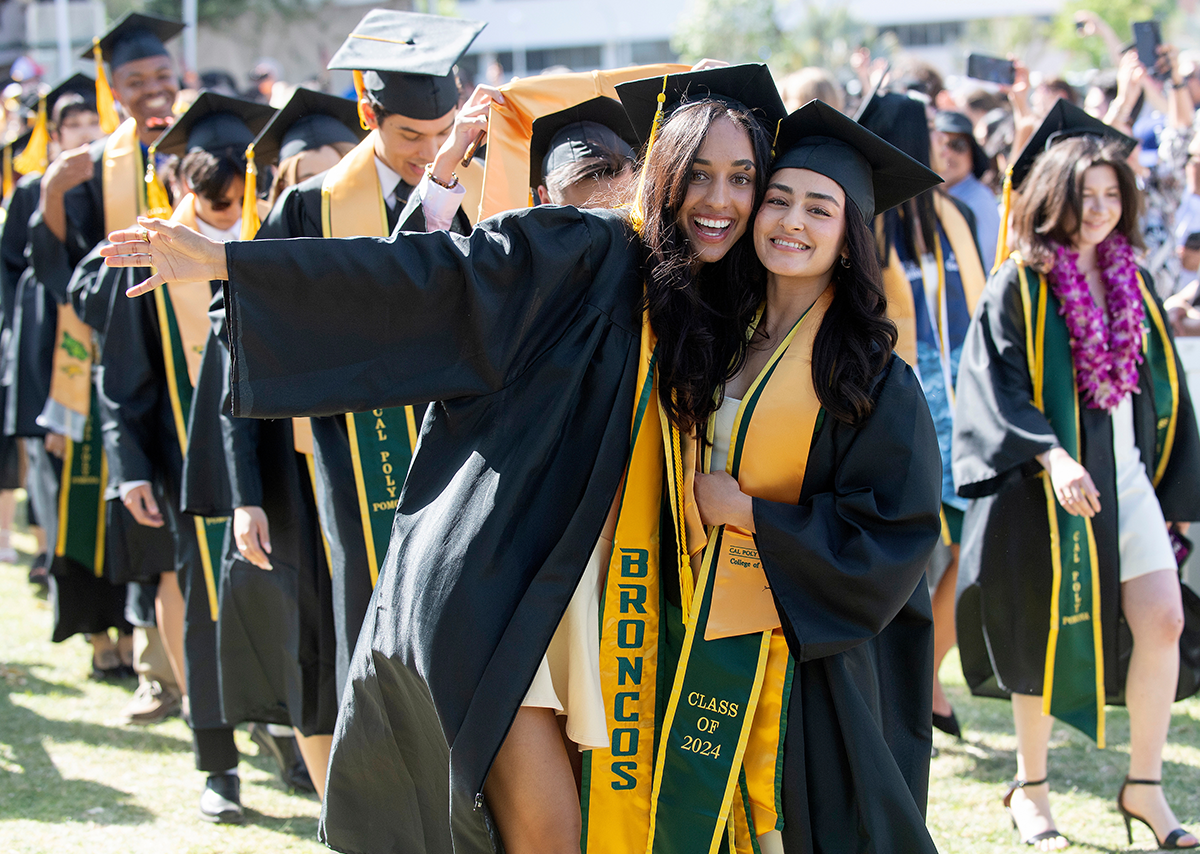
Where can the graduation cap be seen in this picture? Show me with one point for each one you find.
(214, 123)
(405, 60)
(948, 121)
(308, 121)
(35, 157)
(747, 87)
(872, 172)
(1064, 121)
(135, 36)
(76, 84)
(581, 131)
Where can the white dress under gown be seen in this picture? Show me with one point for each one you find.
(1144, 542)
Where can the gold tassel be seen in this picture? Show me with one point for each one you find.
(105, 106)
(8, 171)
(359, 88)
(250, 221)
(1005, 210)
(637, 217)
(158, 203)
(35, 158)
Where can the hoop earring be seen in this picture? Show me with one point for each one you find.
(846, 261)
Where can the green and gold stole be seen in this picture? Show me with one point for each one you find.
(184, 328)
(697, 768)
(81, 499)
(1073, 688)
(381, 441)
(720, 768)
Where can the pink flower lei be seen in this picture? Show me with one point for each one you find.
(1106, 354)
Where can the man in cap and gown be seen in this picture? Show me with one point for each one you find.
(581, 155)
(146, 380)
(63, 231)
(409, 96)
(85, 600)
(285, 615)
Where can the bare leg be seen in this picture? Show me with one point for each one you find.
(125, 648)
(1154, 612)
(1031, 804)
(169, 610)
(8, 512)
(944, 635)
(315, 750)
(104, 654)
(531, 789)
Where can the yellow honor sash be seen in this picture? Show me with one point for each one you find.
(901, 309)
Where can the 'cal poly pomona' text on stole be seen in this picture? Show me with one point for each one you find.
(717, 751)
(381, 441)
(1073, 688)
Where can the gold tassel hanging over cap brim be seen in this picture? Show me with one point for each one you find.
(359, 88)
(1002, 250)
(637, 217)
(35, 157)
(106, 107)
(250, 221)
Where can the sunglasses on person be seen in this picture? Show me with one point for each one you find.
(958, 144)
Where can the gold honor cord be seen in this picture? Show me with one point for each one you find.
(1165, 372)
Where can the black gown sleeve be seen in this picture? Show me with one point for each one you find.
(998, 432)
(130, 382)
(322, 327)
(845, 560)
(13, 261)
(55, 260)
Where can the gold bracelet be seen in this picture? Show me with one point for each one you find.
(450, 185)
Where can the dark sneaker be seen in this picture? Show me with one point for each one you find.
(221, 800)
(282, 749)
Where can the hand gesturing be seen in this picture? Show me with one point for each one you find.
(176, 252)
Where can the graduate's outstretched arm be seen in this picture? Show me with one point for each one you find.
(178, 253)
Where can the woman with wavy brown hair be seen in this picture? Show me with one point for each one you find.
(1078, 446)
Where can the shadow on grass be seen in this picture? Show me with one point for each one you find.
(31, 786)
(299, 826)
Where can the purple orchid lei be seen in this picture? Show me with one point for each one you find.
(1106, 354)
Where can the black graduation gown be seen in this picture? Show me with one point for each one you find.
(275, 632)
(141, 442)
(527, 334)
(30, 352)
(298, 214)
(1003, 616)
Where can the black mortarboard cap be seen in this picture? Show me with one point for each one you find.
(749, 86)
(872, 172)
(215, 123)
(307, 121)
(18, 145)
(76, 84)
(408, 60)
(577, 132)
(948, 121)
(136, 36)
(1065, 120)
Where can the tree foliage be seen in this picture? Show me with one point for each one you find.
(788, 35)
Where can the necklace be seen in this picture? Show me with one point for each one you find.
(1105, 353)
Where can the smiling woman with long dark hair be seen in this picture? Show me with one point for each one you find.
(1078, 447)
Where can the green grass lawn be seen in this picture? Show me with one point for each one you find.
(74, 780)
